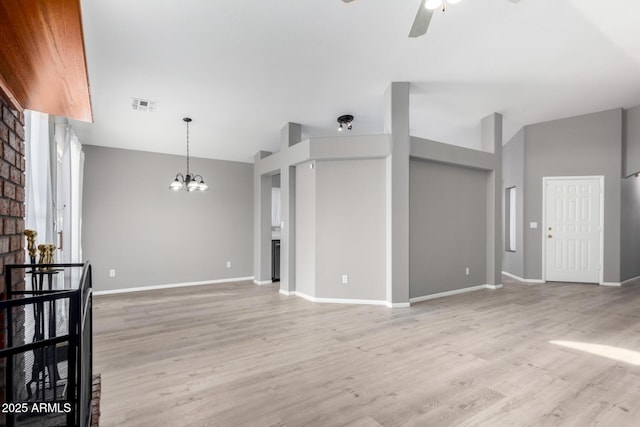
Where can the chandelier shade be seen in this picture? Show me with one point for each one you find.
(188, 181)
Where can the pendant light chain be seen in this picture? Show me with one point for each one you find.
(188, 182)
(188, 149)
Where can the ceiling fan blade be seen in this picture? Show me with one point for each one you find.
(421, 23)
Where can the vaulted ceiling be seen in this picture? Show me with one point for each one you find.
(242, 69)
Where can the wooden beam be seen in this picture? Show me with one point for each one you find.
(42, 57)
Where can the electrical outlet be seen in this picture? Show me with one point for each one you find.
(228, 264)
(345, 279)
(112, 273)
(466, 271)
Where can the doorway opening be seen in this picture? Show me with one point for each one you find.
(276, 227)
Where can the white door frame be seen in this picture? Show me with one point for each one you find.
(543, 236)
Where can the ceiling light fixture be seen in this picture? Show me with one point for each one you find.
(434, 4)
(189, 182)
(345, 121)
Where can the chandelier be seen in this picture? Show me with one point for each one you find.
(435, 4)
(190, 181)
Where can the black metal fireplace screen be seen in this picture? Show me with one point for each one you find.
(47, 356)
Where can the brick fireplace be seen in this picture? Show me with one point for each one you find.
(12, 209)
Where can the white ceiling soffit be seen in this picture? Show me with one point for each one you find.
(242, 69)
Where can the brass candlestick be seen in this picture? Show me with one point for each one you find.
(52, 249)
(31, 243)
(46, 253)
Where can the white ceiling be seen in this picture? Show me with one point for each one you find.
(242, 69)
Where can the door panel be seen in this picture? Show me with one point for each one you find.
(573, 227)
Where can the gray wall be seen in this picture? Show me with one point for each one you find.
(150, 235)
(447, 224)
(632, 141)
(513, 176)
(630, 217)
(630, 229)
(305, 246)
(350, 229)
(340, 229)
(578, 146)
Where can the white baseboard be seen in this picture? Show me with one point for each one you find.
(632, 281)
(398, 304)
(454, 292)
(262, 282)
(627, 282)
(171, 285)
(340, 300)
(345, 300)
(520, 279)
(611, 284)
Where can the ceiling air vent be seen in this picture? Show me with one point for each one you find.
(144, 105)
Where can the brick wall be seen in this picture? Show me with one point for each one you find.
(12, 193)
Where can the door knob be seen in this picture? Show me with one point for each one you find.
(549, 236)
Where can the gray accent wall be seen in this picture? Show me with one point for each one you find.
(630, 229)
(305, 239)
(632, 141)
(630, 210)
(351, 229)
(513, 176)
(341, 229)
(490, 163)
(587, 145)
(134, 224)
(447, 223)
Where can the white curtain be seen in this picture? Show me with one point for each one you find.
(49, 212)
(39, 205)
(69, 167)
(70, 195)
(39, 208)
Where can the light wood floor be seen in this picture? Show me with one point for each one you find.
(241, 354)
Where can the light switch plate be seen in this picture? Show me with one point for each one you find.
(533, 225)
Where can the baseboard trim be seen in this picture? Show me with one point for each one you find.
(520, 279)
(171, 285)
(345, 300)
(340, 300)
(262, 282)
(611, 284)
(627, 282)
(454, 292)
(632, 281)
(398, 304)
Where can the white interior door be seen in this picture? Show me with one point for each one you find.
(573, 229)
